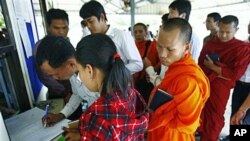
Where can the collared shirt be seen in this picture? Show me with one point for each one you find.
(246, 76)
(126, 48)
(80, 93)
(196, 47)
(114, 117)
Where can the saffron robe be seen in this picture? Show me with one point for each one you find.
(178, 119)
(234, 58)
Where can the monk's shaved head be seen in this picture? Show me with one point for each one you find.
(178, 23)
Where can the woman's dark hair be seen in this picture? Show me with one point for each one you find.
(99, 50)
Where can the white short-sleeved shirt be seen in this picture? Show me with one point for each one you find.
(246, 76)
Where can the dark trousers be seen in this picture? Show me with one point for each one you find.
(240, 93)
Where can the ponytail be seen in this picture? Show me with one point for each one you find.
(118, 78)
(99, 51)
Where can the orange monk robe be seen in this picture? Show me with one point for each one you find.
(152, 55)
(178, 119)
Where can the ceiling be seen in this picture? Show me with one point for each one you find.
(119, 14)
(142, 6)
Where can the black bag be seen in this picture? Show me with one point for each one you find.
(144, 88)
(142, 85)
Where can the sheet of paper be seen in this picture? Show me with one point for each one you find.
(3, 131)
(28, 127)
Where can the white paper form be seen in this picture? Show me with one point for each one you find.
(28, 127)
(3, 130)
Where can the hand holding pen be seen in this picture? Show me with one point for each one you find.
(49, 119)
(46, 116)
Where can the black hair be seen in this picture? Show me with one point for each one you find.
(54, 49)
(230, 19)
(53, 14)
(92, 8)
(143, 25)
(179, 23)
(98, 50)
(182, 6)
(216, 16)
(164, 17)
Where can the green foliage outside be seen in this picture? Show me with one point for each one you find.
(2, 23)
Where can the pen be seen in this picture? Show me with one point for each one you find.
(46, 115)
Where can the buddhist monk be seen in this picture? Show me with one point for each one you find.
(229, 65)
(178, 119)
(148, 52)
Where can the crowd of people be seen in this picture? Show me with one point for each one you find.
(119, 74)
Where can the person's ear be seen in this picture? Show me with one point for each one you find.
(188, 47)
(183, 15)
(90, 71)
(237, 28)
(72, 64)
(47, 27)
(102, 17)
(217, 23)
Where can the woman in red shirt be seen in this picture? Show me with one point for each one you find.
(114, 116)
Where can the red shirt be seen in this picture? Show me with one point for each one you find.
(114, 117)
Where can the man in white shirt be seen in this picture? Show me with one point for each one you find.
(240, 94)
(55, 57)
(95, 18)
